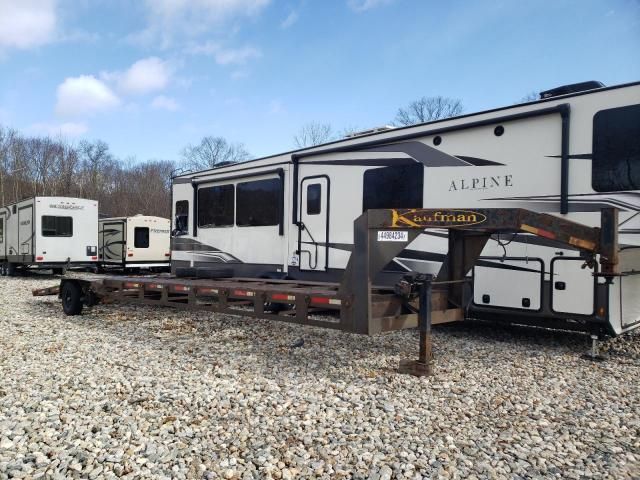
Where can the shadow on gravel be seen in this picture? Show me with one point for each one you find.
(265, 347)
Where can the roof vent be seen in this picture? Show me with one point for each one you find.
(572, 88)
(383, 128)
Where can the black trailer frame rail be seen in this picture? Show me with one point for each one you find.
(361, 305)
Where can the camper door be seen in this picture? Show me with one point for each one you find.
(25, 230)
(313, 236)
(112, 241)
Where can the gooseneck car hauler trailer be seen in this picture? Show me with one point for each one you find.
(48, 233)
(363, 307)
(569, 154)
(138, 242)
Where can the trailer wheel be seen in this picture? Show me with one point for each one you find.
(71, 298)
(206, 272)
(3, 269)
(11, 269)
(59, 271)
(182, 272)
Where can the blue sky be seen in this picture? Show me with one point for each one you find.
(150, 76)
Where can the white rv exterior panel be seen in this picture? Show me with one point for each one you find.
(509, 286)
(50, 232)
(135, 242)
(506, 158)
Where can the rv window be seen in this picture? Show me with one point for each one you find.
(393, 187)
(141, 237)
(616, 149)
(57, 226)
(182, 217)
(314, 204)
(215, 206)
(258, 203)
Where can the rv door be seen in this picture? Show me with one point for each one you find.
(26, 230)
(112, 242)
(314, 223)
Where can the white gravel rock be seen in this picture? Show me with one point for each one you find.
(142, 392)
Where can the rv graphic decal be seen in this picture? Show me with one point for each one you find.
(481, 183)
(25, 222)
(62, 206)
(419, 217)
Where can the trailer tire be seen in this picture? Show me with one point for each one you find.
(59, 271)
(214, 272)
(71, 298)
(11, 269)
(182, 272)
(3, 269)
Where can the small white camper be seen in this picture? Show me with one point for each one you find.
(48, 233)
(136, 242)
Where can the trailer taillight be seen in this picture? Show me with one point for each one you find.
(167, 254)
(39, 258)
(130, 254)
(94, 258)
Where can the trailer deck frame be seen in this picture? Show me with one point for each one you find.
(357, 303)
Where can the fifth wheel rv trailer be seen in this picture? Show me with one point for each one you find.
(571, 153)
(48, 233)
(136, 242)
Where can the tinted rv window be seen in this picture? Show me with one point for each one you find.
(393, 187)
(314, 204)
(616, 149)
(215, 206)
(57, 226)
(182, 217)
(258, 203)
(141, 237)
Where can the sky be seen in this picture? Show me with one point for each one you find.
(152, 76)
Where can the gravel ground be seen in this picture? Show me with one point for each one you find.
(141, 392)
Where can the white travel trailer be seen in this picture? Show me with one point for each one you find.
(48, 233)
(140, 241)
(572, 152)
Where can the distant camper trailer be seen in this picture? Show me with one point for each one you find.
(135, 242)
(48, 233)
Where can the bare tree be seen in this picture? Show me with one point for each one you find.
(313, 133)
(212, 151)
(530, 97)
(426, 109)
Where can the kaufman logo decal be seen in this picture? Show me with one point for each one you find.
(420, 217)
(481, 183)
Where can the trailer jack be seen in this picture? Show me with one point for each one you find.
(424, 364)
(594, 354)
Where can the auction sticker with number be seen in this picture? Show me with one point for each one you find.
(393, 236)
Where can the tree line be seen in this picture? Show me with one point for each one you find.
(44, 166)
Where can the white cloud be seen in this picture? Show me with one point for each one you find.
(290, 20)
(165, 103)
(226, 56)
(84, 95)
(146, 75)
(364, 5)
(170, 18)
(27, 23)
(66, 129)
